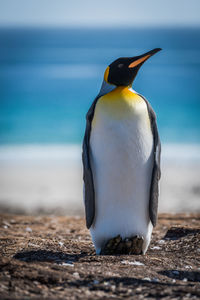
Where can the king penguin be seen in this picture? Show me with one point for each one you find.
(121, 163)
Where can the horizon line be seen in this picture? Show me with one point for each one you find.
(98, 26)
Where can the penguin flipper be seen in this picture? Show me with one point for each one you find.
(89, 193)
(156, 173)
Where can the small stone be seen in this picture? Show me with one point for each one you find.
(61, 243)
(67, 264)
(28, 229)
(188, 267)
(113, 287)
(135, 263)
(161, 242)
(106, 283)
(33, 245)
(156, 248)
(147, 279)
(88, 293)
(6, 223)
(185, 279)
(76, 274)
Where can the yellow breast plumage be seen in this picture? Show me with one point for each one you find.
(121, 103)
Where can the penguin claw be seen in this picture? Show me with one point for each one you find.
(116, 245)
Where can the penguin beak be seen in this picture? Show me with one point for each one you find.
(139, 60)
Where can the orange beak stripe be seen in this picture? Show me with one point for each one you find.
(106, 74)
(138, 61)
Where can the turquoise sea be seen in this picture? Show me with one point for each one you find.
(49, 78)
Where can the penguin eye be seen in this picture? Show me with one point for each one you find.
(120, 66)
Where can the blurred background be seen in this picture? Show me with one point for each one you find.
(52, 58)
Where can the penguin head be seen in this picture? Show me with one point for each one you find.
(123, 71)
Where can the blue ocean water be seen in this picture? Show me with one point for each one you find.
(49, 78)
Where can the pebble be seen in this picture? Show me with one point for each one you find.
(135, 263)
(113, 287)
(188, 295)
(33, 245)
(76, 274)
(147, 279)
(185, 279)
(188, 267)
(156, 248)
(106, 283)
(6, 224)
(28, 229)
(161, 242)
(69, 264)
(61, 243)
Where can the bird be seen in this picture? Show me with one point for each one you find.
(121, 162)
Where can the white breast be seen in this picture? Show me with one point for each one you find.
(122, 162)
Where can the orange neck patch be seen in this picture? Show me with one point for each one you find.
(106, 74)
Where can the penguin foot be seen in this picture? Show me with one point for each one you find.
(116, 245)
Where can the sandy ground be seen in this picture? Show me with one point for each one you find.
(53, 258)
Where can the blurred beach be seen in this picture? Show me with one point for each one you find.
(48, 80)
(48, 179)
